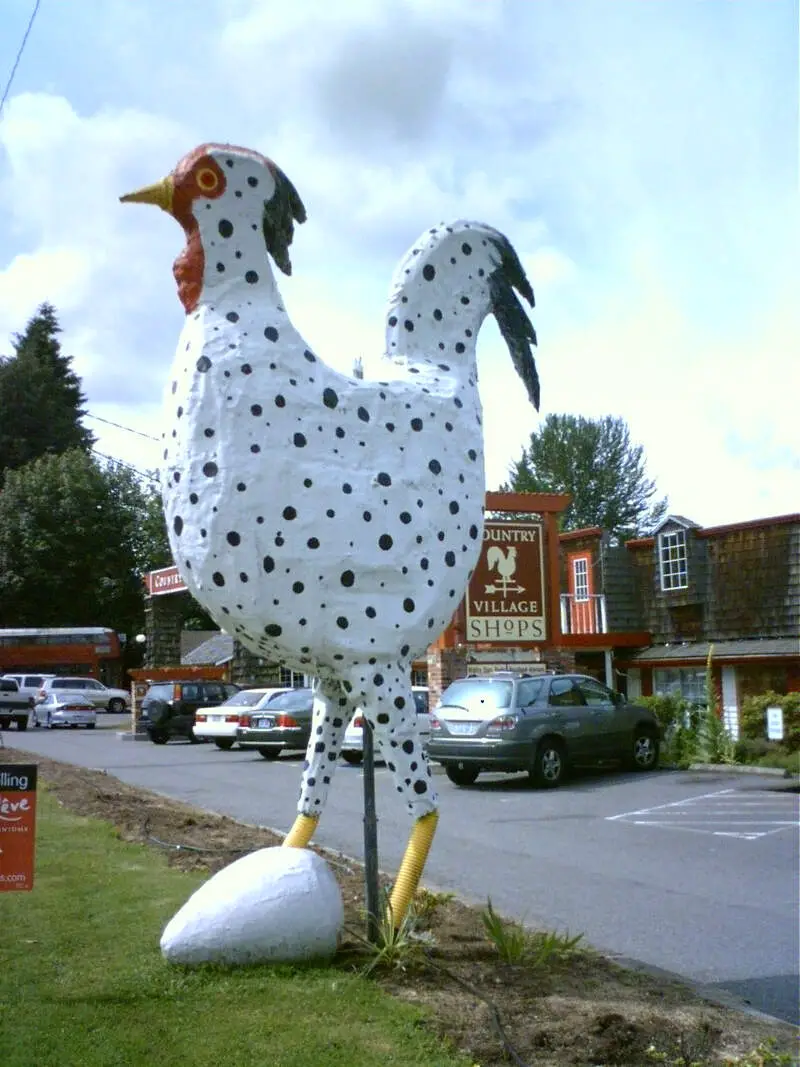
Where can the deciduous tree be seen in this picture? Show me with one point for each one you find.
(595, 461)
(76, 537)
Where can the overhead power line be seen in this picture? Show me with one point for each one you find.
(20, 50)
(130, 466)
(119, 426)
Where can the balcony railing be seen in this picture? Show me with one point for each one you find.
(584, 616)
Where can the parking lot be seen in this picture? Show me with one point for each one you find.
(695, 873)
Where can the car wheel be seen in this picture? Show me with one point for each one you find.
(116, 706)
(353, 758)
(159, 737)
(91, 725)
(549, 765)
(224, 744)
(22, 724)
(73, 726)
(462, 773)
(270, 753)
(643, 754)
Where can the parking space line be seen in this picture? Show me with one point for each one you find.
(673, 804)
(740, 834)
(724, 813)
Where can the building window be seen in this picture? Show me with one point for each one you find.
(686, 682)
(580, 575)
(672, 560)
(293, 679)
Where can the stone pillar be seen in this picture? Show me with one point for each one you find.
(444, 665)
(163, 625)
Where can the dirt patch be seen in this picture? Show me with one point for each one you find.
(582, 1010)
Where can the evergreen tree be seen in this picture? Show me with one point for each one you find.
(40, 396)
(595, 461)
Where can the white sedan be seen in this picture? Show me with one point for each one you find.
(219, 724)
(353, 744)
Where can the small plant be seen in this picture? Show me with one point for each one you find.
(517, 945)
(427, 903)
(549, 947)
(396, 947)
(509, 938)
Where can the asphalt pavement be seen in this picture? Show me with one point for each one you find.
(692, 873)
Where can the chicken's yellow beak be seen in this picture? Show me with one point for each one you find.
(159, 194)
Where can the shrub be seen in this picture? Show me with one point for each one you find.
(679, 721)
(763, 753)
(669, 708)
(753, 719)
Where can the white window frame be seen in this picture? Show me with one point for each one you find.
(580, 579)
(686, 682)
(292, 679)
(673, 560)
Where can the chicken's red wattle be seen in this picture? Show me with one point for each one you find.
(188, 271)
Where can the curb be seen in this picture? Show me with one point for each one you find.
(714, 994)
(735, 768)
(126, 735)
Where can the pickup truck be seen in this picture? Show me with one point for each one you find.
(14, 706)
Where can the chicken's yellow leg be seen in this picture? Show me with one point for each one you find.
(301, 832)
(411, 868)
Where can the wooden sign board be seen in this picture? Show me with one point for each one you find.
(17, 825)
(506, 597)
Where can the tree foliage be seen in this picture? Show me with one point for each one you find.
(75, 539)
(595, 461)
(40, 397)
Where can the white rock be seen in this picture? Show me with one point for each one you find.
(276, 904)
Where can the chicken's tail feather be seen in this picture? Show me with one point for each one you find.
(515, 326)
(281, 212)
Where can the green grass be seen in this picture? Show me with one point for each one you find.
(83, 984)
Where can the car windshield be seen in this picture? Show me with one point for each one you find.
(270, 698)
(159, 692)
(478, 694)
(292, 701)
(247, 698)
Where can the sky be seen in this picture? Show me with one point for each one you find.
(642, 158)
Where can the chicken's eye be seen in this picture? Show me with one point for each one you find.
(207, 180)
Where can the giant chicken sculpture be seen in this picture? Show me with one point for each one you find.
(330, 523)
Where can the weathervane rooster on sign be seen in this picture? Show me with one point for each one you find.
(329, 522)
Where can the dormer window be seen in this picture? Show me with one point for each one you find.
(580, 576)
(672, 560)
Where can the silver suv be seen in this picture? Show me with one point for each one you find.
(538, 723)
(101, 696)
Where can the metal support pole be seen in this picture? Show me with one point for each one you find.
(371, 885)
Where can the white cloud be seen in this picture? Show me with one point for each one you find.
(634, 156)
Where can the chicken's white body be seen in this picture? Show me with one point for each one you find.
(318, 535)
